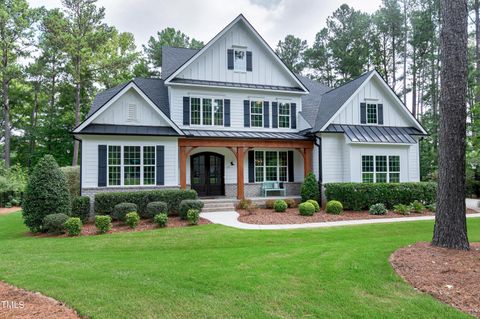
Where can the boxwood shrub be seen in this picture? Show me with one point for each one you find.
(73, 226)
(121, 210)
(306, 209)
(55, 223)
(104, 202)
(81, 207)
(360, 196)
(155, 208)
(280, 206)
(188, 204)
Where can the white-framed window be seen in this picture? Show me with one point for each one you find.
(284, 115)
(271, 166)
(372, 113)
(131, 165)
(206, 111)
(240, 60)
(256, 113)
(380, 169)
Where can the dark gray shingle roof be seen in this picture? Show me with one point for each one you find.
(375, 134)
(109, 129)
(333, 100)
(173, 58)
(152, 88)
(238, 85)
(311, 101)
(245, 134)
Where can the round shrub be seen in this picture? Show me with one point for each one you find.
(280, 206)
(245, 203)
(161, 219)
(401, 209)
(155, 208)
(315, 204)
(73, 226)
(291, 203)
(55, 223)
(193, 215)
(103, 223)
(334, 207)
(377, 209)
(81, 207)
(306, 209)
(122, 209)
(187, 204)
(46, 193)
(132, 219)
(417, 207)
(310, 188)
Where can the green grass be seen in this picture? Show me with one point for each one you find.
(218, 272)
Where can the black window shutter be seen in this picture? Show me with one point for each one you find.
(380, 113)
(274, 114)
(186, 110)
(251, 166)
(290, 167)
(293, 115)
(102, 165)
(246, 113)
(226, 112)
(363, 113)
(160, 165)
(266, 114)
(249, 60)
(230, 59)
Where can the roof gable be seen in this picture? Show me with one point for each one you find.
(210, 64)
(173, 58)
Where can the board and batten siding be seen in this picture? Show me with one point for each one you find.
(333, 158)
(211, 65)
(90, 156)
(373, 92)
(118, 112)
(236, 98)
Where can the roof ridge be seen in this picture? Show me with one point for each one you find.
(175, 47)
(350, 81)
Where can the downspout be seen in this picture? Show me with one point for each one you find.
(318, 143)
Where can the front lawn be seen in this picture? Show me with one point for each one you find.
(211, 271)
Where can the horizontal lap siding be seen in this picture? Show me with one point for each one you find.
(333, 157)
(90, 156)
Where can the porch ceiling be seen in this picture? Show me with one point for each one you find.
(246, 134)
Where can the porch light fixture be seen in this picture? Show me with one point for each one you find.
(232, 164)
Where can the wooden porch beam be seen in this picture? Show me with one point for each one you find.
(245, 143)
(240, 173)
(307, 161)
(183, 167)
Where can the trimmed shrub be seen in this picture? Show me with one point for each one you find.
(306, 209)
(81, 208)
(188, 204)
(122, 209)
(377, 209)
(193, 215)
(47, 193)
(155, 208)
(291, 203)
(103, 223)
(417, 207)
(132, 219)
(360, 196)
(315, 204)
(244, 203)
(334, 207)
(73, 226)
(72, 173)
(310, 189)
(401, 209)
(55, 223)
(280, 206)
(161, 219)
(269, 203)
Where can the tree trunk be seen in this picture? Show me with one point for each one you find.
(33, 124)
(6, 123)
(405, 25)
(477, 50)
(394, 61)
(76, 144)
(414, 85)
(450, 220)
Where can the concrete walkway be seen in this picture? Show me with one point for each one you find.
(230, 218)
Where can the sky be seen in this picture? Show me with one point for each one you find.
(203, 19)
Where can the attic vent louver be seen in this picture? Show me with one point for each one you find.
(132, 113)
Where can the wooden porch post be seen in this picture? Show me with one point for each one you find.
(240, 174)
(307, 161)
(183, 167)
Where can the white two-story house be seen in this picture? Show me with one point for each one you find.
(227, 118)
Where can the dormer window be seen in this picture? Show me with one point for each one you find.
(372, 114)
(240, 60)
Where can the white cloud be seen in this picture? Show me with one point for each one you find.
(203, 19)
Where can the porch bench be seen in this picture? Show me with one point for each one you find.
(272, 187)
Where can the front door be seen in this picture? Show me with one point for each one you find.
(207, 174)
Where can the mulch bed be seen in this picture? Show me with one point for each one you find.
(4, 210)
(16, 303)
(449, 275)
(89, 229)
(264, 216)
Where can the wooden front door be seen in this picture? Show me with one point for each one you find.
(207, 174)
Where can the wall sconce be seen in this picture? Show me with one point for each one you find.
(232, 164)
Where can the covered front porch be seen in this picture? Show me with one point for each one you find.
(220, 167)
